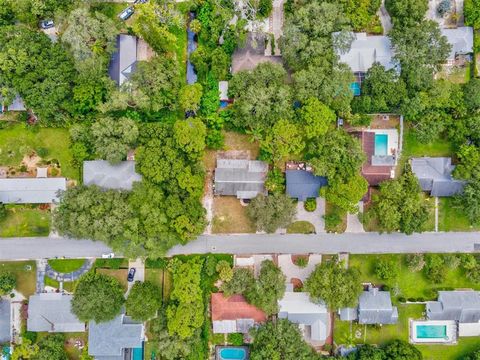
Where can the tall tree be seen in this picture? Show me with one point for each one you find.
(316, 118)
(271, 212)
(470, 201)
(143, 301)
(51, 347)
(406, 12)
(284, 139)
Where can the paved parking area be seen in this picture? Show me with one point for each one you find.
(293, 271)
(314, 217)
(139, 266)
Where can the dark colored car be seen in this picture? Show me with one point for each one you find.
(140, 1)
(131, 274)
(46, 24)
(125, 14)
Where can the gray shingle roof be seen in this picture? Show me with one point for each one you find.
(109, 340)
(348, 314)
(31, 190)
(435, 176)
(52, 312)
(108, 176)
(5, 318)
(461, 40)
(375, 307)
(244, 179)
(462, 306)
(303, 184)
(124, 59)
(366, 50)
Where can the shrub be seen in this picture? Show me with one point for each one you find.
(431, 294)
(452, 261)
(42, 152)
(275, 182)
(415, 262)
(301, 262)
(30, 335)
(8, 282)
(210, 265)
(386, 288)
(468, 261)
(474, 274)
(435, 268)
(159, 263)
(235, 339)
(310, 205)
(3, 212)
(386, 269)
(224, 270)
(402, 299)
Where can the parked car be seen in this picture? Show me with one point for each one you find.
(125, 14)
(108, 256)
(140, 1)
(47, 24)
(131, 274)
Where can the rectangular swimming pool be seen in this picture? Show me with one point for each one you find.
(381, 144)
(431, 331)
(232, 353)
(355, 87)
(137, 354)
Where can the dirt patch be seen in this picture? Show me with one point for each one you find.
(236, 141)
(31, 161)
(144, 51)
(229, 216)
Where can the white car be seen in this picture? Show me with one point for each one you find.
(108, 256)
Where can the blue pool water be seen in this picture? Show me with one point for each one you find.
(431, 331)
(355, 87)
(137, 354)
(233, 354)
(223, 103)
(381, 144)
(5, 355)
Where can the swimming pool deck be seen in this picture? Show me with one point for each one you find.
(219, 348)
(451, 332)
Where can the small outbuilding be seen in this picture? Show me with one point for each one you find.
(124, 60)
(303, 184)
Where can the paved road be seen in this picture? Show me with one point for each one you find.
(366, 243)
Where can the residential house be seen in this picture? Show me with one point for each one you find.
(374, 307)
(16, 105)
(31, 190)
(303, 184)
(108, 176)
(124, 60)
(116, 339)
(313, 319)
(242, 178)
(223, 89)
(461, 40)
(52, 312)
(381, 150)
(435, 176)
(5, 321)
(460, 306)
(234, 314)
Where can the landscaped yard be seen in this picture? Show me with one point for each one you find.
(409, 284)
(452, 218)
(301, 227)
(17, 141)
(335, 218)
(25, 220)
(229, 216)
(414, 148)
(66, 265)
(156, 277)
(26, 279)
(67, 285)
(119, 274)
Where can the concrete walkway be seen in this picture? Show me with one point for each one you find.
(353, 222)
(72, 276)
(384, 18)
(314, 217)
(293, 271)
(41, 268)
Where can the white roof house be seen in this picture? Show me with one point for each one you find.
(312, 318)
(223, 89)
(461, 39)
(108, 176)
(52, 312)
(124, 60)
(31, 190)
(366, 50)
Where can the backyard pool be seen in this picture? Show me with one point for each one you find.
(232, 353)
(137, 354)
(431, 331)
(381, 144)
(355, 87)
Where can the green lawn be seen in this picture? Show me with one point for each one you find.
(301, 227)
(120, 275)
(335, 219)
(409, 284)
(26, 279)
(415, 148)
(452, 218)
(67, 285)
(17, 141)
(25, 220)
(156, 277)
(66, 265)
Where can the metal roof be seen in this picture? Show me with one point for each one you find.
(223, 89)
(124, 59)
(303, 184)
(52, 312)
(461, 39)
(435, 175)
(108, 176)
(375, 307)
(31, 190)
(5, 322)
(110, 339)
(462, 306)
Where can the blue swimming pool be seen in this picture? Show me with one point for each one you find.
(431, 331)
(137, 354)
(223, 104)
(232, 353)
(355, 87)
(381, 144)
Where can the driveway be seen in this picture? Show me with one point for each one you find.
(385, 18)
(353, 222)
(314, 217)
(293, 271)
(139, 266)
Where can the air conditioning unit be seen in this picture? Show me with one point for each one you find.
(386, 117)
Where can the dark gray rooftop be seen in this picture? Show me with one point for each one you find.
(5, 325)
(462, 306)
(105, 175)
(109, 340)
(303, 184)
(124, 59)
(244, 179)
(375, 307)
(435, 176)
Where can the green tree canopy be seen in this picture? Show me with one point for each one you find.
(346, 195)
(190, 135)
(8, 281)
(472, 93)
(190, 96)
(143, 301)
(470, 201)
(316, 118)
(242, 282)
(284, 139)
(269, 213)
(51, 347)
(97, 297)
(332, 283)
(402, 350)
(406, 12)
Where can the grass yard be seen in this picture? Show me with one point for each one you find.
(237, 141)
(120, 275)
(409, 284)
(457, 75)
(156, 277)
(301, 227)
(167, 285)
(452, 218)
(67, 286)
(72, 351)
(24, 221)
(335, 218)
(26, 279)
(66, 265)
(414, 148)
(229, 216)
(17, 141)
